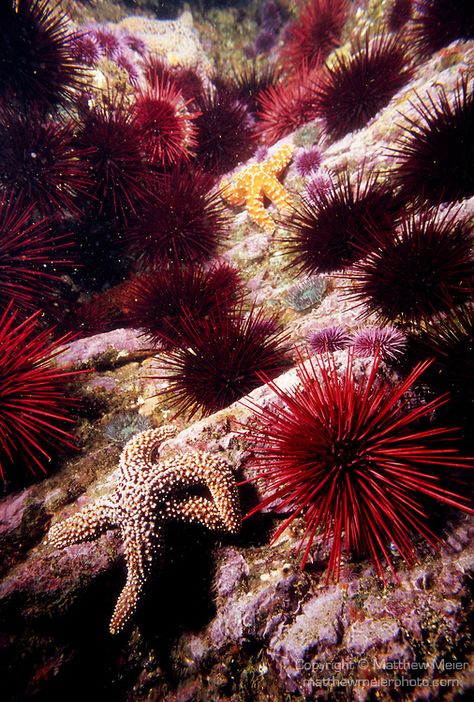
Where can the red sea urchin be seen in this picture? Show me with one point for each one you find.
(159, 301)
(225, 131)
(354, 88)
(40, 163)
(315, 33)
(435, 152)
(222, 358)
(34, 407)
(31, 256)
(399, 14)
(326, 231)
(185, 78)
(424, 269)
(439, 22)
(37, 63)
(183, 223)
(166, 128)
(352, 459)
(117, 167)
(285, 106)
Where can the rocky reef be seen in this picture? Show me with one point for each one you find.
(233, 617)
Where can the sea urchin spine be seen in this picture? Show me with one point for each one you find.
(328, 230)
(166, 127)
(183, 223)
(31, 256)
(221, 359)
(315, 33)
(424, 269)
(158, 302)
(37, 64)
(353, 89)
(435, 152)
(34, 406)
(352, 459)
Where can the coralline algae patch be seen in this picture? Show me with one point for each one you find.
(176, 40)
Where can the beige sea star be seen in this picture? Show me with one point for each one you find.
(249, 186)
(148, 495)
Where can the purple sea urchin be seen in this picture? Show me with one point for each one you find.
(108, 41)
(349, 92)
(387, 342)
(317, 184)
(307, 161)
(222, 358)
(328, 340)
(435, 152)
(423, 269)
(352, 459)
(86, 49)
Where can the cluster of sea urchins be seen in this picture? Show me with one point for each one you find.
(92, 157)
(86, 175)
(347, 89)
(353, 455)
(41, 179)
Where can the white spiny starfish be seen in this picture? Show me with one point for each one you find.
(148, 495)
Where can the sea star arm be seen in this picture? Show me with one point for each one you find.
(139, 450)
(275, 192)
(200, 510)
(257, 212)
(203, 468)
(86, 525)
(141, 546)
(233, 193)
(276, 163)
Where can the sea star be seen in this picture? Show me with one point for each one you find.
(148, 495)
(252, 183)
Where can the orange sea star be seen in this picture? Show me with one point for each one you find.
(249, 186)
